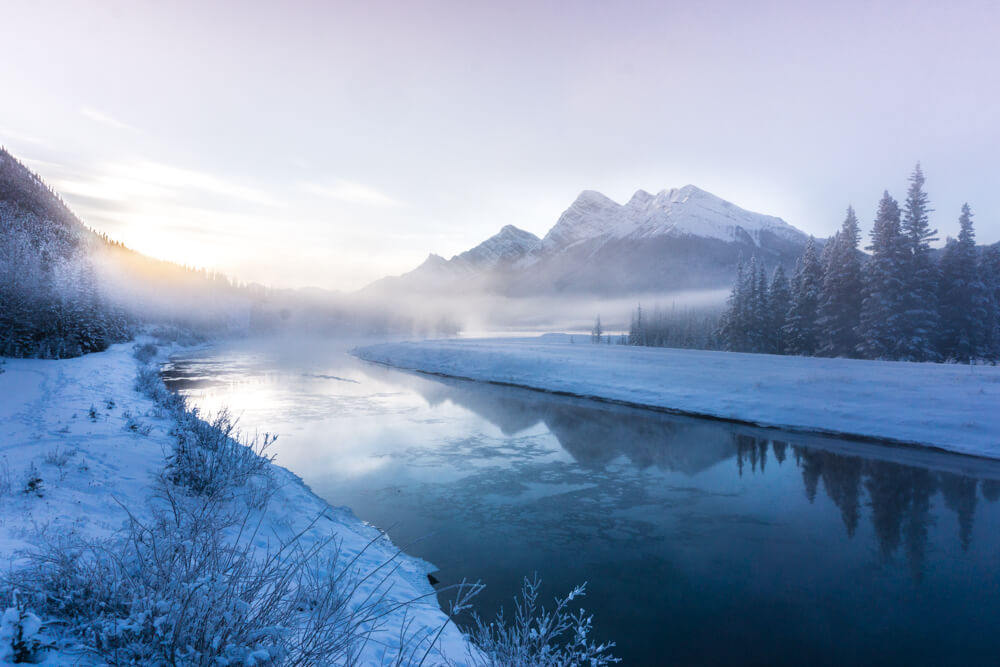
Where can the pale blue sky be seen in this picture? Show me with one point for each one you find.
(332, 143)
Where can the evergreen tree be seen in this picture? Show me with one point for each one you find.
(919, 314)
(733, 326)
(801, 326)
(595, 335)
(840, 302)
(759, 320)
(989, 270)
(880, 329)
(779, 302)
(963, 298)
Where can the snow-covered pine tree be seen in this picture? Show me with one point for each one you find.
(779, 301)
(800, 328)
(920, 312)
(879, 331)
(597, 332)
(760, 336)
(731, 326)
(962, 297)
(989, 269)
(840, 302)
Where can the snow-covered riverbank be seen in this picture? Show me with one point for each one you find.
(949, 407)
(81, 446)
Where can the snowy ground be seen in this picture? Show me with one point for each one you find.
(90, 465)
(950, 407)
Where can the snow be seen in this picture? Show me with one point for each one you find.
(690, 211)
(508, 245)
(686, 211)
(93, 467)
(590, 216)
(948, 407)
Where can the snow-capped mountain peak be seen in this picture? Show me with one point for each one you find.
(590, 216)
(506, 246)
(691, 211)
(685, 211)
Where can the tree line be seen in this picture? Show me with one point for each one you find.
(903, 301)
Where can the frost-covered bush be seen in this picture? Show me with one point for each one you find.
(145, 352)
(149, 383)
(32, 482)
(211, 456)
(192, 587)
(58, 457)
(21, 636)
(6, 480)
(133, 424)
(536, 637)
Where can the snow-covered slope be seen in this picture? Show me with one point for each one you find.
(508, 245)
(948, 407)
(66, 424)
(690, 211)
(590, 216)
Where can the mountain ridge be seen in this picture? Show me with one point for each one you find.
(653, 242)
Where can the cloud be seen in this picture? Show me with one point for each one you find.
(154, 180)
(350, 192)
(104, 119)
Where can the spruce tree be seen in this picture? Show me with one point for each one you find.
(840, 303)
(801, 326)
(919, 314)
(962, 297)
(989, 269)
(732, 326)
(779, 301)
(879, 331)
(759, 312)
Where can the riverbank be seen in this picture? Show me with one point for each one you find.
(945, 407)
(87, 457)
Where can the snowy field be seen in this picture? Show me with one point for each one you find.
(950, 407)
(70, 464)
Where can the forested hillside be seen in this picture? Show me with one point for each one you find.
(50, 301)
(66, 290)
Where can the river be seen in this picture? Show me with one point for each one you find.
(701, 542)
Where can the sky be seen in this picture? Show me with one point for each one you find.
(331, 143)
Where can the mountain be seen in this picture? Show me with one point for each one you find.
(677, 239)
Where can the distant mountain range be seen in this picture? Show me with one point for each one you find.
(678, 239)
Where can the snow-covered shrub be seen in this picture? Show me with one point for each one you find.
(57, 457)
(6, 481)
(21, 636)
(211, 456)
(145, 352)
(536, 637)
(32, 482)
(134, 425)
(149, 383)
(192, 587)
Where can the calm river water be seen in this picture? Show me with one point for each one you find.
(703, 543)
